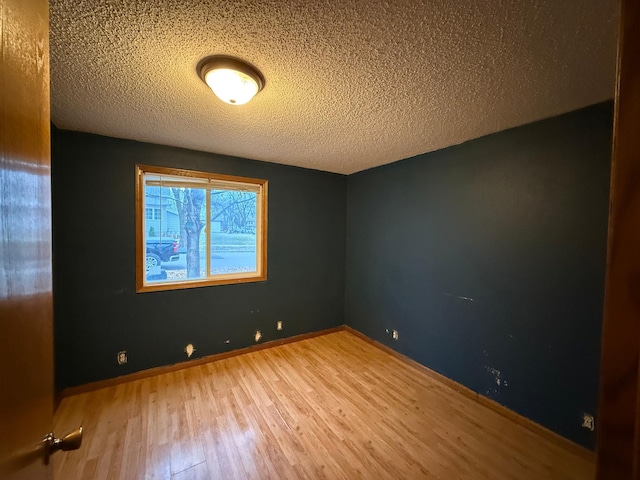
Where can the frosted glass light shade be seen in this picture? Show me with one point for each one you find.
(232, 80)
(231, 86)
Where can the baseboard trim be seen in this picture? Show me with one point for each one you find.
(150, 372)
(487, 402)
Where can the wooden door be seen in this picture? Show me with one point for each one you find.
(26, 317)
(618, 448)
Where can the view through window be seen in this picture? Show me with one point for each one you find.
(198, 228)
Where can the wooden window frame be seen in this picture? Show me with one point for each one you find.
(207, 181)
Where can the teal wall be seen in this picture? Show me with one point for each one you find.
(488, 258)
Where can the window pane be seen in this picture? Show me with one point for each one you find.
(233, 231)
(175, 238)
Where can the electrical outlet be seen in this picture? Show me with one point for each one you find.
(122, 357)
(279, 325)
(588, 421)
(258, 336)
(394, 334)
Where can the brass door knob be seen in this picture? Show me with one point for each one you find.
(70, 441)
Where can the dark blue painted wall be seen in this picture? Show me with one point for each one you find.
(489, 259)
(98, 313)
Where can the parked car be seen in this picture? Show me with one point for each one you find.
(161, 250)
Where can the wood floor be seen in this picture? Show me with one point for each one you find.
(330, 407)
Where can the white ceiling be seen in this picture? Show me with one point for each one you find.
(349, 84)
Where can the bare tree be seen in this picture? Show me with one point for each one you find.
(234, 208)
(189, 202)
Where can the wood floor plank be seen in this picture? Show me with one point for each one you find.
(333, 407)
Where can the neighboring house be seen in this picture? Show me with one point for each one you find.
(160, 215)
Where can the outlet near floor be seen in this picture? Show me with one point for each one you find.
(122, 357)
(588, 421)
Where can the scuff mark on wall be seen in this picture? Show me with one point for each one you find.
(468, 299)
(497, 376)
(189, 349)
(495, 373)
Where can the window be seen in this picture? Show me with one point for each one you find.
(196, 229)
(152, 213)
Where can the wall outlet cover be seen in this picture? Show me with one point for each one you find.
(122, 357)
(588, 421)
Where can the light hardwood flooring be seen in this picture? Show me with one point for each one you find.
(333, 406)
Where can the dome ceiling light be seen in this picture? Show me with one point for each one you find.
(232, 80)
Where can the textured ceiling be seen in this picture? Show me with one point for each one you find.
(349, 84)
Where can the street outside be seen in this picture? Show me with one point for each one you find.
(221, 262)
